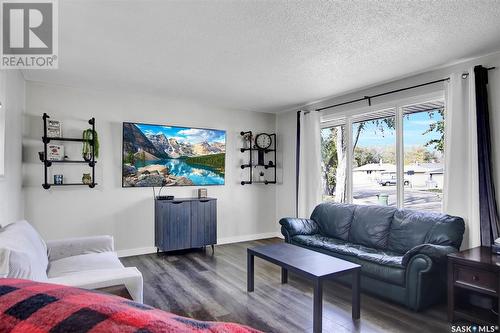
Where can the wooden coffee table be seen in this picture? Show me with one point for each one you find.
(310, 264)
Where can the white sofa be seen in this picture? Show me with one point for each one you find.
(86, 262)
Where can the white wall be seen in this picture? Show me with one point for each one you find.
(286, 127)
(286, 120)
(12, 98)
(244, 212)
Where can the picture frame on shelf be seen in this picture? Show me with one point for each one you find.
(55, 152)
(54, 128)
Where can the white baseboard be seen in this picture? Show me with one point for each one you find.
(246, 238)
(220, 241)
(136, 252)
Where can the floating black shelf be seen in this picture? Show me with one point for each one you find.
(48, 163)
(265, 182)
(265, 166)
(255, 149)
(47, 139)
(250, 164)
(91, 185)
(90, 163)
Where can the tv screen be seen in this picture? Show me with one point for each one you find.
(156, 155)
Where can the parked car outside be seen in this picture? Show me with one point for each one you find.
(386, 180)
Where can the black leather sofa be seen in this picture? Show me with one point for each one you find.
(402, 252)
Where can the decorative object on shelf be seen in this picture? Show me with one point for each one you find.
(54, 128)
(89, 145)
(202, 193)
(58, 179)
(264, 143)
(49, 160)
(247, 140)
(55, 152)
(86, 179)
(261, 176)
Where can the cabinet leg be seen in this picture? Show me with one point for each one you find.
(213, 249)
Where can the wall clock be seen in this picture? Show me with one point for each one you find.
(263, 141)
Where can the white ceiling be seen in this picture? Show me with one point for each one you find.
(262, 55)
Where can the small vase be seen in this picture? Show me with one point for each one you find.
(86, 179)
(87, 157)
(58, 179)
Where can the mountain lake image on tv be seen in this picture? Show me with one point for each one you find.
(156, 155)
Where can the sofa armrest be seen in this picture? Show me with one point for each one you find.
(295, 226)
(130, 277)
(69, 247)
(437, 253)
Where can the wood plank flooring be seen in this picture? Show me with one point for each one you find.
(203, 286)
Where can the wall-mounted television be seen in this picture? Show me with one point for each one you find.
(162, 155)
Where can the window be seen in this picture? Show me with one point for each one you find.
(393, 156)
(374, 159)
(423, 137)
(334, 159)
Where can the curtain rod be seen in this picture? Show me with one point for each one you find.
(369, 98)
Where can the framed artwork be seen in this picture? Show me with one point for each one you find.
(161, 155)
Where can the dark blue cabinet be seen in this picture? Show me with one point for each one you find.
(185, 223)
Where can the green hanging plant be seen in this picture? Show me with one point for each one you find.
(87, 146)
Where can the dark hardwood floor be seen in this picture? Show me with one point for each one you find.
(203, 286)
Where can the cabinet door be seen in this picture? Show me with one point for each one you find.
(204, 223)
(176, 221)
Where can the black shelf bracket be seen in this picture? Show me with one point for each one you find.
(47, 163)
(248, 136)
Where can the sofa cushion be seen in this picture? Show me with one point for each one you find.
(334, 219)
(23, 251)
(84, 262)
(409, 229)
(321, 241)
(380, 265)
(370, 226)
(390, 274)
(377, 256)
(447, 231)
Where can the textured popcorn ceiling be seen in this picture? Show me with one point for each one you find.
(262, 55)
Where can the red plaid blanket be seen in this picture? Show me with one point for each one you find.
(27, 306)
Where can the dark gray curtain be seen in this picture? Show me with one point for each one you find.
(488, 211)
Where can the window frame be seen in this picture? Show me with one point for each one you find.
(349, 116)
